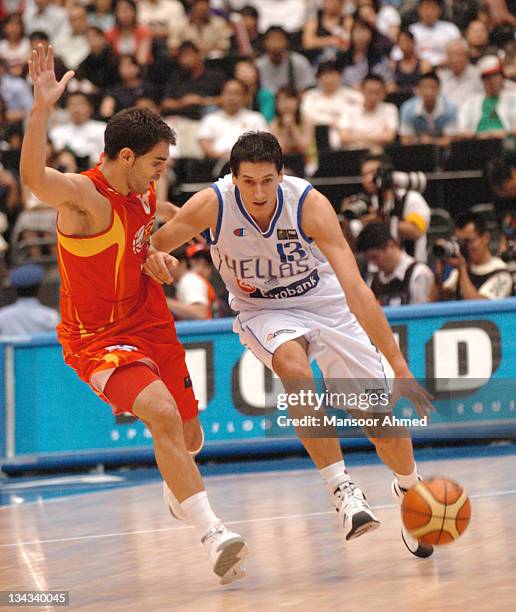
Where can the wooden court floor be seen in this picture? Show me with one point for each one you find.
(119, 550)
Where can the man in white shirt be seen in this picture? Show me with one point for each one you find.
(325, 104)
(395, 277)
(82, 135)
(73, 45)
(374, 123)
(160, 15)
(45, 16)
(431, 34)
(220, 129)
(460, 80)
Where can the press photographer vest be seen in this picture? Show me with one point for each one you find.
(477, 280)
(396, 292)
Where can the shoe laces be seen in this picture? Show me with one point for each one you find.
(217, 529)
(350, 496)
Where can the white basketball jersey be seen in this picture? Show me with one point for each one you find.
(278, 268)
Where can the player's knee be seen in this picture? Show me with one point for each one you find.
(293, 369)
(163, 418)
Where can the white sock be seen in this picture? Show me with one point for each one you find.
(407, 480)
(334, 475)
(198, 510)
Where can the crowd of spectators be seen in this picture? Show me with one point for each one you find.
(369, 72)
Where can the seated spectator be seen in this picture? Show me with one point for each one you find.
(220, 129)
(432, 35)
(158, 15)
(194, 88)
(367, 11)
(361, 58)
(372, 124)
(210, 33)
(428, 118)
(280, 67)
(102, 15)
(493, 113)
(291, 14)
(325, 104)
(247, 40)
(407, 70)
(16, 93)
(45, 16)
(325, 35)
(27, 315)
(477, 37)
(127, 37)
(477, 274)
(81, 134)
(395, 277)
(131, 87)
(100, 67)
(195, 297)
(502, 179)
(293, 131)
(460, 80)
(73, 44)
(15, 46)
(258, 98)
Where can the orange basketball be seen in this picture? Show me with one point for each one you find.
(436, 511)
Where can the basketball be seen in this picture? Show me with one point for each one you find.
(436, 511)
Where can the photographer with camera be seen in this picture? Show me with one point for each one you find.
(392, 197)
(477, 273)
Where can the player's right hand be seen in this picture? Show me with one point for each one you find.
(160, 266)
(47, 89)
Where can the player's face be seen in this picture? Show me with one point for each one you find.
(147, 168)
(258, 186)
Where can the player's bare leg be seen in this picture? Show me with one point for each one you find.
(156, 407)
(291, 364)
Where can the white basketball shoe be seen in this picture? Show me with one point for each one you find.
(354, 512)
(173, 505)
(417, 548)
(227, 550)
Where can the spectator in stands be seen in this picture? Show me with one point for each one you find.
(407, 70)
(395, 277)
(210, 33)
(428, 118)
(73, 44)
(131, 86)
(362, 58)
(325, 104)
(502, 178)
(432, 35)
(291, 14)
(247, 40)
(258, 98)
(102, 15)
(81, 134)
(477, 37)
(100, 67)
(293, 131)
(220, 129)
(460, 80)
(159, 15)
(280, 67)
(15, 46)
(492, 114)
(38, 38)
(9, 7)
(477, 273)
(368, 11)
(372, 124)
(127, 37)
(27, 315)
(16, 93)
(45, 16)
(195, 297)
(326, 34)
(388, 20)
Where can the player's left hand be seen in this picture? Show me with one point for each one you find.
(160, 266)
(408, 387)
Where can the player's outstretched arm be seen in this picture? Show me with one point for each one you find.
(49, 185)
(320, 222)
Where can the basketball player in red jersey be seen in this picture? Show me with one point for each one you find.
(116, 331)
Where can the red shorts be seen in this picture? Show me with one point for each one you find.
(144, 361)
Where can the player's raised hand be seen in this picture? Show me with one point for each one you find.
(409, 388)
(160, 266)
(47, 89)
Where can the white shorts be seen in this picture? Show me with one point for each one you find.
(335, 339)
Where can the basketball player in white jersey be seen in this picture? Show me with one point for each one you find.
(292, 278)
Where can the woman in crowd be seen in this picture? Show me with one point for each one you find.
(294, 133)
(15, 46)
(258, 98)
(325, 35)
(127, 37)
(409, 68)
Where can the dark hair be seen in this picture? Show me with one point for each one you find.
(289, 92)
(38, 35)
(325, 67)
(187, 44)
(276, 29)
(499, 171)
(97, 30)
(132, 4)
(478, 221)
(373, 77)
(381, 158)
(27, 292)
(245, 89)
(256, 147)
(138, 129)
(81, 94)
(249, 11)
(431, 74)
(373, 236)
(14, 17)
(408, 33)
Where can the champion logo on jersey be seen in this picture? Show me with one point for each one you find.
(287, 234)
(240, 231)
